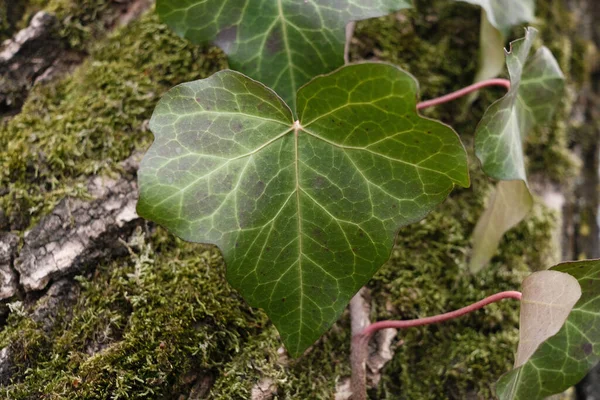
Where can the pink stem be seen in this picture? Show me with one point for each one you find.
(360, 342)
(462, 92)
(371, 329)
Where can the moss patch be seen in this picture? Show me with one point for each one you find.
(88, 123)
(81, 21)
(153, 324)
(140, 327)
(10, 13)
(548, 145)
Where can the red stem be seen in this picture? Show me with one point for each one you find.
(462, 92)
(360, 342)
(371, 329)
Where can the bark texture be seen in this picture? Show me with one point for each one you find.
(26, 57)
(79, 232)
(581, 227)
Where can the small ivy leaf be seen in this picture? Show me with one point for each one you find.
(536, 88)
(504, 14)
(537, 84)
(509, 204)
(553, 356)
(304, 212)
(281, 43)
(548, 298)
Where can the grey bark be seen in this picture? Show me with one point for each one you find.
(27, 56)
(39, 54)
(581, 228)
(74, 236)
(8, 277)
(78, 232)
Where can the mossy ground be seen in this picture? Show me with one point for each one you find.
(165, 316)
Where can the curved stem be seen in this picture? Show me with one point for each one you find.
(371, 329)
(462, 92)
(360, 341)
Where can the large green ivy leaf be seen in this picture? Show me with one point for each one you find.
(281, 43)
(304, 211)
(537, 84)
(504, 14)
(561, 359)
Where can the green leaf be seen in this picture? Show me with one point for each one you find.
(304, 212)
(281, 43)
(536, 88)
(504, 14)
(510, 202)
(491, 54)
(563, 358)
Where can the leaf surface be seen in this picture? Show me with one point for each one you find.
(281, 43)
(491, 54)
(304, 212)
(567, 350)
(504, 14)
(537, 84)
(548, 298)
(509, 204)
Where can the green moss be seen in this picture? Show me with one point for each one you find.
(548, 145)
(10, 13)
(428, 275)
(140, 326)
(165, 317)
(80, 21)
(166, 314)
(87, 123)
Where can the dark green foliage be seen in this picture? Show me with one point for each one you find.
(437, 43)
(229, 166)
(281, 43)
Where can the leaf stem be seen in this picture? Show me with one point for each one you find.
(360, 341)
(462, 92)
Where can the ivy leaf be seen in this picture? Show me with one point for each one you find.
(548, 298)
(504, 14)
(491, 54)
(281, 43)
(509, 203)
(567, 350)
(303, 211)
(537, 84)
(536, 88)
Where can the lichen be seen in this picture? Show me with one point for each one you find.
(153, 324)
